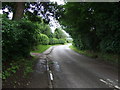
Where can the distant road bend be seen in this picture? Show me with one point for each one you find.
(72, 70)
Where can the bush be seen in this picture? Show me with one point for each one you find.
(61, 41)
(53, 41)
(56, 41)
(19, 37)
(69, 40)
(110, 44)
(43, 39)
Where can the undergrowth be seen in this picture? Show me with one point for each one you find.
(111, 58)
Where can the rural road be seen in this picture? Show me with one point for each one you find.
(72, 70)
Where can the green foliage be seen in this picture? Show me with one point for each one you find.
(93, 26)
(84, 52)
(32, 17)
(59, 37)
(9, 71)
(54, 41)
(69, 40)
(19, 37)
(40, 48)
(111, 58)
(43, 39)
(45, 29)
(61, 41)
(110, 44)
(21, 64)
(28, 67)
(59, 34)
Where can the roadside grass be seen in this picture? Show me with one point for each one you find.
(110, 58)
(41, 48)
(84, 52)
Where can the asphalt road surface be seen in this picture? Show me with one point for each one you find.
(73, 70)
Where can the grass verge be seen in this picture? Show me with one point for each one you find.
(41, 48)
(84, 52)
(110, 58)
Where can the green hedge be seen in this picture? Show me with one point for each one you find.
(56, 41)
(43, 39)
(18, 38)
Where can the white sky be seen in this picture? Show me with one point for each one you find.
(1, 12)
(6, 10)
(59, 2)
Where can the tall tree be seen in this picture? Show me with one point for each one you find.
(59, 34)
(19, 10)
(93, 26)
(46, 9)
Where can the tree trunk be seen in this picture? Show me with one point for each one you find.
(19, 10)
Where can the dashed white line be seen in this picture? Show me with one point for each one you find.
(117, 87)
(51, 76)
(110, 83)
(103, 81)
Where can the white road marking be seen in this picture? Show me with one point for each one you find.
(109, 82)
(117, 87)
(103, 81)
(51, 76)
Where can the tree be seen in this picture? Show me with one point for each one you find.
(43, 39)
(59, 34)
(19, 38)
(16, 7)
(19, 8)
(93, 26)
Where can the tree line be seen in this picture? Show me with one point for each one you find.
(93, 26)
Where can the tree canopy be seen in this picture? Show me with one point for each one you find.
(59, 34)
(46, 9)
(93, 26)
